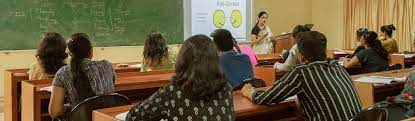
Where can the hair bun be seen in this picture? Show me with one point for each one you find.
(392, 27)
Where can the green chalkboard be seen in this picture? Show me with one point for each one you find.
(108, 22)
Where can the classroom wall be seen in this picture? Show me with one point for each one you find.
(282, 16)
(328, 18)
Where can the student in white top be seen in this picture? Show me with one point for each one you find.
(292, 58)
(261, 35)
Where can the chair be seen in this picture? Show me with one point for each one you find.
(83, 111)
(372, 114)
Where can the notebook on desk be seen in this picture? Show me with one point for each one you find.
(407, 56)
(379, 79)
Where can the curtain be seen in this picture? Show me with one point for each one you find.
(373, 14)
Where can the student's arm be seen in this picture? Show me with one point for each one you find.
(288, 86)
(290, 62)
(358, 58)
(352, 63)
(56, 105)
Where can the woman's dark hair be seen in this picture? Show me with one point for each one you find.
(371, 39)
(197, 68)
(224, 40)
(260, 15)
(80, 48)
(361, 32)
(312, 45)
(298, 29)
(388, 29)
(155, 49)
(51, 52)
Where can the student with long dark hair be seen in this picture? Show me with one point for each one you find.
(261, 35)
(235, 65)
(388, 42)
(50, 56)
(198, 91)
(157, 56)
(82, 79)
(359, 37)
(292, 58)
(373, 58)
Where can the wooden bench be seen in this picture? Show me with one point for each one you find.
(13, 77)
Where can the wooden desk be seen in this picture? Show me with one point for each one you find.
(410, 119)
(12, 78)
(268, 73)
(333, 55)
(32, 95)
(406, 62)
(370, 93)
(244, 110)
(269, 59)
(283, 42)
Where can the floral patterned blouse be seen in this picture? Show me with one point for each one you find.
(406, 98)
(169, 103)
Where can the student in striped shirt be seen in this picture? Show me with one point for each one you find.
(324, 88)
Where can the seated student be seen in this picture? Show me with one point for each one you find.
(50, 56)
(235, 65)
(373, 58)
(82, 79)
(359, 37)
(157, 56)
(324, 88)
(198, 91)
(292, 58)
(388, 42)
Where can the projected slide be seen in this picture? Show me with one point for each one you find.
(208, 15)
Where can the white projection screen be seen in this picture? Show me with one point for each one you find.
(204, 16)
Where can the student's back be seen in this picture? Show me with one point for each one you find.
(157, 56)
(82, 79)
(101, 78)
(50, 56)
(236, 65)
(198, 92)
(371, 61)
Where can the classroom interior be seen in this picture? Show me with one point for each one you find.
(336, 19)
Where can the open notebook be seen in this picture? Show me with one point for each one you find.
(123, 115)
(379, 79)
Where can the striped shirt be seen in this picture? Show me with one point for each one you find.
(326, 91)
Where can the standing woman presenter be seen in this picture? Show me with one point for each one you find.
(261, 35)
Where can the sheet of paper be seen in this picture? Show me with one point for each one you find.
(339, 53)
(122, 116)
(379, 79)
(409, 55)
(136, 65)
(49, 89)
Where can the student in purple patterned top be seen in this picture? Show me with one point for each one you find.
(81, 79)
